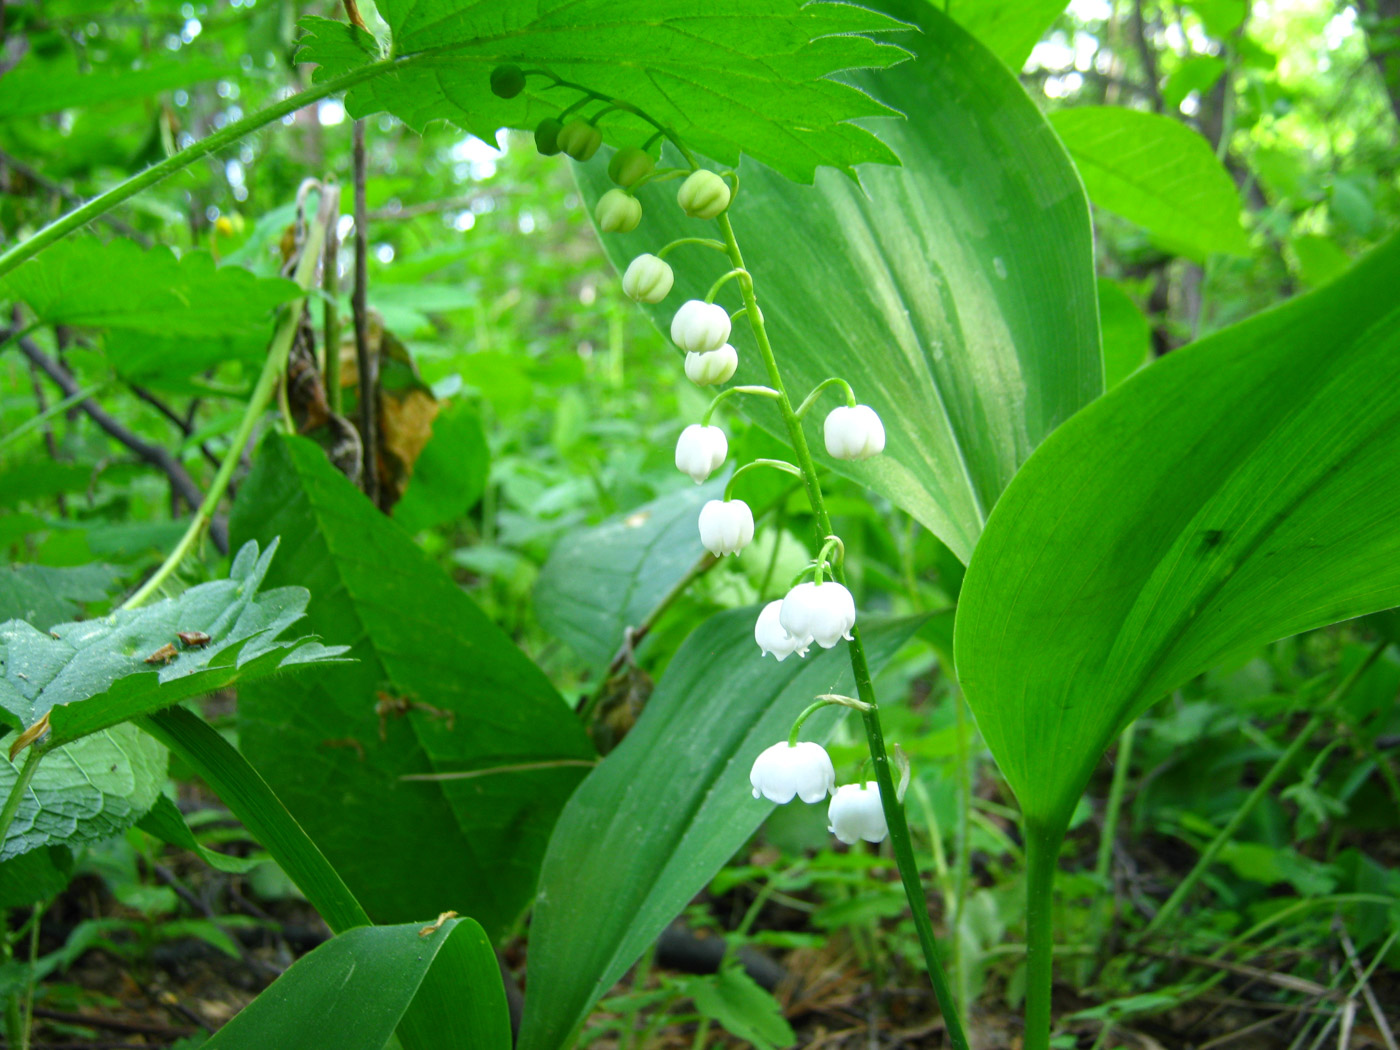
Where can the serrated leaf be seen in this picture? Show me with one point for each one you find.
(85, 791)
(746, 76)
(1158, 173)
(93, 674)
(457, 697)
(169, 313)
(44, 594)
(737, 1002)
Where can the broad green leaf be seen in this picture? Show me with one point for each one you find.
(1198, 73)
(38, 875)
(458, 698)
(600, 581)
(662, 813)
(1320, 259)
(93, 674)
(165, 823)
(36, 86)
(168, 314)
(1158, 173)
(449, 475)
(956, 293)
(750, 76)
(45, 595)
(1127, 340)
(1241, 489)
(1008, 29)
(84, 791)
(351, 992)
(1221, 17)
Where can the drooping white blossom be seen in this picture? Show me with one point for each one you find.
(713, 368)
(700, 451)
(648, 279)
(773, 637)
(854, 432)
(823, 612)
(700, 327)
(784, 770)
(855, 813)
(726, 526)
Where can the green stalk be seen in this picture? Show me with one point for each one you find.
(262, 394)
(1042, 851)
(894, 811)
(1106, 910)
(225, 136)
(1280, 766)
(21, 785)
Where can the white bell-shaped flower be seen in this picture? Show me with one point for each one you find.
(803, 769)
(854, 433)
(713, 368)
(855, 813)
(648, 279)
(773, 637)
(700, 327)
(726, 526)
(823, 612)
(700, 451)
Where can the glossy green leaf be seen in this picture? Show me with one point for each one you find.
(351, 992)
(85, 791)
(1008, 28)
(93, 674)
(663, 812)
(1127, 339)
(750, 77)
(955, 293)
(457, 697)
(600, 581)
(165, 822)
(1241, 489)
(1158, 173)
(449, 475)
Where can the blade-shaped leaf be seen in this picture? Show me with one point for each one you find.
(1241, 489)
(351, 992)
(662, 813)
(165, 822)
(93, 674)
(436, 688)
(1009, 28)
(958, 297)
(601, 581)
(748, 76)
(85, 791)
(1158, 173)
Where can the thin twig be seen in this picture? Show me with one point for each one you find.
(49, 443)
(1364, 980)
(180, 480)
(368, 377)
(184, 425)
(198, 904)
(111, 1024)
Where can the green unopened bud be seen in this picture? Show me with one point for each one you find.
(507, 81)
(618, 212)
(629, 165)
(547, 136)
(648, 279)
(580, 139)
(704, 195)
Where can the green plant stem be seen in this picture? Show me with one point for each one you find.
(776, 464)
(875, 737)
(225, 136)
(1280, 766)
(28, 1020)
(1106, 911)
(262, 394)
(811, 399)
(17, 790)
(1042, 851)
(962, 873)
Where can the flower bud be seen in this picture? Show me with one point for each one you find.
(712, 368)
(773, 637)
(700, 327)
(803, 769)
(648, 279)
(703, 195)
(854, 433)
(824, 612)
(547, 136)
(507, 81)
(855, 813)
(629, 165)
(580, 139)
(618, 212)
(726, 526)
(700, 451)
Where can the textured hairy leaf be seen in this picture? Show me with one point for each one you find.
(93, 674)
(1241, 489)
(955, 293)
(436, 688)
(748, 76)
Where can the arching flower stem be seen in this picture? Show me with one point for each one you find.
(811, 399)
(756, 391)
(776, 464)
